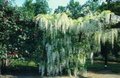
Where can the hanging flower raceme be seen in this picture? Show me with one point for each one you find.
(65, 49)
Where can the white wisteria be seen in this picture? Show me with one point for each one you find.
(66, 49)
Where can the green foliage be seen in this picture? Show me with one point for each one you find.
(20, 62)
(2, 51)
(41, 7)
(7, 24)
(30, 9)
(17, 35)
(60, 9)
(90, 7)
(113, 6)
(31, 63)
(75, 10)
(56, 41)
(1, 2)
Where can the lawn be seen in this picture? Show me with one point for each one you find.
(30, 70)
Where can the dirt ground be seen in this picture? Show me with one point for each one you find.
(103, 74)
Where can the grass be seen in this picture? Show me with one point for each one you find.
(30, 68)
(21, 67)
(17, 62)
(99, 65)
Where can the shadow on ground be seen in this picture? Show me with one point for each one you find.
(96, 70)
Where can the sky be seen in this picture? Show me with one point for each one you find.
(53, 4)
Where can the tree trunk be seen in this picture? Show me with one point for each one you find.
(91, 57)
(45, 61)
(0, 65)
(106, 60)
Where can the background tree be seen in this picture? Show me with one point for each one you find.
(28, 9)
(41, 7)
(7, 28)
(75, 10)
(31, 9)
(60, 9)
(90, 6)
(114, 6)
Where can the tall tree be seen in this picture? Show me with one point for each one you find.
(41, 7)
(60, 9)
(74, 8)
(91, 6)
(65, 47)
(114, 6)
(31, 9)
(27, 10)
